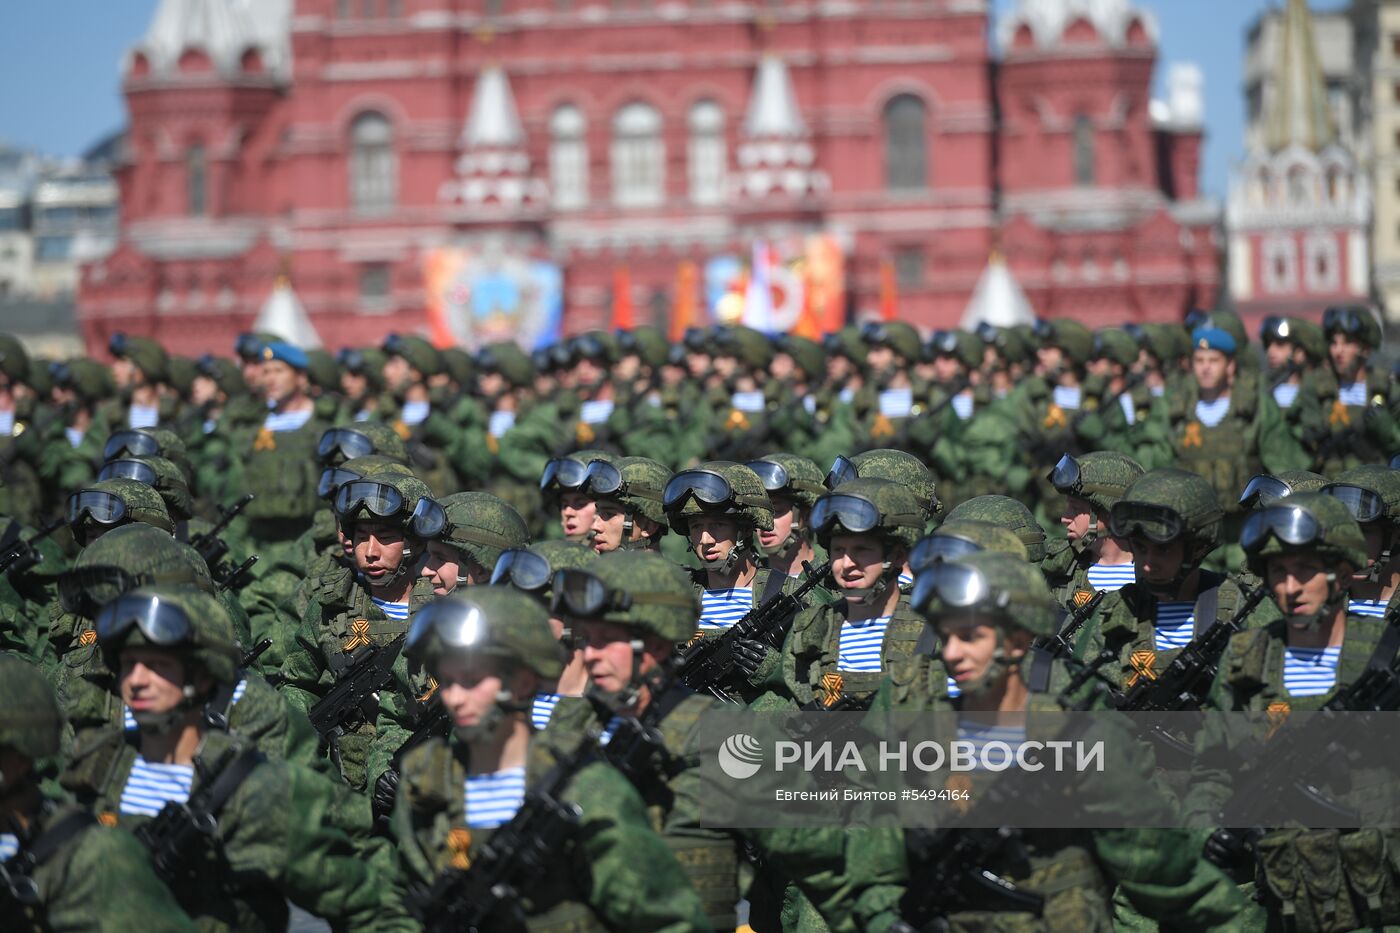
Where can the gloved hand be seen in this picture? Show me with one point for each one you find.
(386, 788)
(749, 657)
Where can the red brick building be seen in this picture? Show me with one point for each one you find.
(354, 144)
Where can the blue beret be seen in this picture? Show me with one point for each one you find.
(1213, 338)
(294, 357)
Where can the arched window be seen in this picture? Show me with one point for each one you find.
(707, 153)
(373, 168)
(906, 144)
(638, 157)
(196, 182)
(1083, 150)
(568, 157)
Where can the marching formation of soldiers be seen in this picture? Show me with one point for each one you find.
(411, 638)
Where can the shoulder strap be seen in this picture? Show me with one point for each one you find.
(220, 702)
(771, 587)
(216, 794)
(1386, 648)
(54, 837)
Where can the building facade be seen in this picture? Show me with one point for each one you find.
(357, 145)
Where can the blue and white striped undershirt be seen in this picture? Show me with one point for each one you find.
(1158, 391)
(896, 403)
(414, 413)
(397, 611)
(281, 422)
(747, 401)
(860, 645)
(142, 416)
(151, 785)
(74, 435)
(542, 709)
(492, 799)
(609, 730)
(846, 394)
(209, 426)
(905, 580)
(1068, 397)
(1285, 394)
(596, 412)
(981, 733)
(809, 402)
(129, 721)
(1112, 577)
(1212, 413)
(1310, 672)
(1125, 402)
(953, 689)
(962, 405)
(362, 415)
(1368, 607)
(9, 846)
(500, 422)
(7, 423)
(719, 609)
(1175, 625)
(1354, 394)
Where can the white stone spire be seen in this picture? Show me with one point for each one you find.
(493, 120)
(997, 299)
(1297, 114)
(773, 112)
(283, 314)
(224, 30)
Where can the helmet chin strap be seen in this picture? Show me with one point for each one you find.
(1336, 599)
(1090, 535)
(627, 543)
(871, 595)
(155, 724)
(729, 561)
(1373, 574)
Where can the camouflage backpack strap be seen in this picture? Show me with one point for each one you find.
(1325, 381)
(1249, 658)
(1378, 387)
(426, 776)
(95, 763)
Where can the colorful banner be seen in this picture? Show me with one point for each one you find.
(792, 285)
(475, 299)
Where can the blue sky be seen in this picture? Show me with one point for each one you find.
(59, 63)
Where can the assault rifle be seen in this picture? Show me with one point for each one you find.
(21, 555)
(179, 831)
(432, 722)
(516, 855)
(214, 549)
(1185, 682)
(1045, 649)
(708, 664)
(370, 668)
(252, 656)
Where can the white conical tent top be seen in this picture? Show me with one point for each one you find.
(221, 29)
(997, 299)
(773, 105)
(282, 314)
(493, 121)
(1298, 112)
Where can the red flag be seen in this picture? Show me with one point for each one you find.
(622, 317)
(889, 301)
(683, 309)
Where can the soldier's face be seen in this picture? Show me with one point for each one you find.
(281, 381)
(1158, 564)
(397, 373)
(125, 374)
(713, 538)
(575, 515)
(606, 649)
(1213, 369)
(353, 385)
(588, 373)
(698, 364)
(726, 366)
(491, 385)
(784, 518)
(970, 646)
(152, 679)
(782, 367)
(1300, 584)
(1076, 517)
(378, 550)
(445, 564)
(608, 521)
(1049, 360)
(253, 375)
(856, 560)
(203, 390)
(879, 358)
(839, 368)
(1347, 354)
(470, 687)
(947, 369)
(1278, 353)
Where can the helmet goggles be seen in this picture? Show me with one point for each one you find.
(95, 505)
(522, 569)
(429, 520)
(160, 622)
(1346, 320)
(380, 500)
(1290, 524)
(130, 443)
(349, 442)
(842, 471)
(1264, 490)
(1066, 477)
(853, 513)
(455, 623)
(332, 478)
(579, 593)
(956, 586)
(703, 486)
(138, 470)
(1157, 523)
(563, 473)
(939, 547)
(1363, 504)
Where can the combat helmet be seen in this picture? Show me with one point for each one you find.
(360, 439)
(865, 506)
(634, 482)
(1306, 521)
(14, 359)
(1115, 344)
(1099, 478)
(142, 442)
(720, 488)
(161, 475)
(88, 379)
(1008, 513)
(647, 342)
(145, 354)
(333, 477)
(1265, 489)
(30, 722)
(1371, 493)
(415, 351)
(125, 558)
(531, 569)
(900, 337)
(224, 373)
(955, 538)
(807, 354)
(181, 618)
(640, 590)
(506, 358)
(566, 473)
(1356, 321)
(1072, 338)
(1166, 504)
(964, 346)
(897, 466)
(745, 344)
(112, 502)
(478, 524)
(986, 582)
(380, 497)
(364, 361)
(789, 475)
